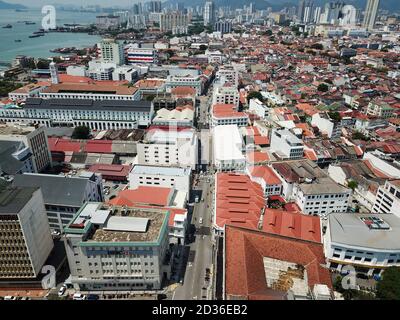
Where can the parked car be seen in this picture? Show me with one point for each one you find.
(201, 220)
(62, 291)
(92, 297)
(10, 298)
(79, 296)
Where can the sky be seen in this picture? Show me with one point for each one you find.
(37, 3)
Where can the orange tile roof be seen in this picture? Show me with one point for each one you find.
(257, 157)
(226, 110)
(183, 91)
(108, 87)
(158, 196)
(266, 173)
(245, 251)
(292, 225)
(239, 200)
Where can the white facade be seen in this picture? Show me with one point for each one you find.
(229, 73)
(124, 265)
(194, 82)
(349, 241)
(326, 125)
(87, 115)
(28, 228)
(258, 108)
(111, 50)
(286, 144)
(322, 198)
(169, 148)
(388, 198)
(34, 138)
(226, 95)
(177, 178)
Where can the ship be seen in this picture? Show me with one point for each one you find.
(8, 26)
(29, 22)
(18, 40)
(35, 36)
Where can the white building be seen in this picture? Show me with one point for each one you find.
(388, 198)
(226, 114)
(179, 118)
(98, 115)
(117, 248)
(229, 73)
(174, 81)
(147, 56)
(171, 177)
(209, 13)
(258, 108)
(322, 197)
(226, 95)
(367, 242)
(111, 50)
(286, 144)
(175, 22)
(169, 148)
(228, 148)
(333, 129)
(33, 137)
(25, 239)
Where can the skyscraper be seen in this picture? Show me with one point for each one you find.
(300, 11)
(209, 13)
(371, 12)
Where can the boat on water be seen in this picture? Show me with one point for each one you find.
(8, 26)
(18, 40)
(29, 22)
(35, 36)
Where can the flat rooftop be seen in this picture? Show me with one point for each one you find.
(228, 143)
(162, 171)
(118, 223)
(374, 231)
(119, 227)
(15, 129)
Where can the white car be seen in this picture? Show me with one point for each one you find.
(201, 220)
(10, 298)
(62, 291)
(79, 296)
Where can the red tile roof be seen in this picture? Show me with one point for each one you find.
(244, 265)
(292, 225)
(144, 195)
(226, 110)
(63, 145)
(98, 146)
(257, 157)
(111, 170)
(266, 173)
(240, 201)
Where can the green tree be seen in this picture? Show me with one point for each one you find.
(389, 287)
(254, 95)
(81, 132)
(352, 184)
(323, 87)
(357, 135)
(335, 116)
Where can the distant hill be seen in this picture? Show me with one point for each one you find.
(6, 5)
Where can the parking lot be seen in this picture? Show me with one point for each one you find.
(111, 189)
